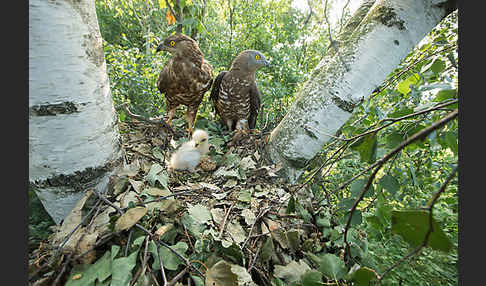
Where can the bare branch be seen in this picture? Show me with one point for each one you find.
(160, 121)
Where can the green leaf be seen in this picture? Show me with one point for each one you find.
(393, 140)
(303, 213)
(200, 213)
(367, 148)
(158, 154)
(363, 276)
(291, 272)
(413, 225)
(312, 278)
(244, 196)
(122, 269)
(122, 115)
(356, 219)
(414, 177)
(437, 66)
(444, 94)
(198, 281)
(404, 86)
(234, 253)
(170, 260)
(389, 183)
(450, 139)
(157, 173)
(323, 222)
(267, 249)
(291, 205)
(332, 266)
(401, 112)
(193, 226)
(357, 187)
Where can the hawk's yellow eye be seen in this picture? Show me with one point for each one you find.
(172, 43)
(257, 57)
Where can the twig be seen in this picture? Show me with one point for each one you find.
(188, 237)
(178, 276)
(224, 220)
(160, 121)
(168, 196)
(162, 271)
(262, 213)
(128, 242)
(77, 226)
(255, 258)
(429, 231)
(58, 278)
(145, 256)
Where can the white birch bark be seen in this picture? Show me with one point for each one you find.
(72, 122)
(383, 32)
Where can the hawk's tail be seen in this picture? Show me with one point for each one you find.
(215, 88)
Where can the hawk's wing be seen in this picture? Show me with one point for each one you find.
(164, 78)
(216, 88)
(255, 102)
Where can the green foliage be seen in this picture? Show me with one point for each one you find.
(39, 221)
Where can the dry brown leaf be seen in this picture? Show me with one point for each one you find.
(72, 220)
(163, 229)
(156, 192)
(137, 185)
(130, 218)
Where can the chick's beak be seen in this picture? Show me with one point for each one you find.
(197, 143)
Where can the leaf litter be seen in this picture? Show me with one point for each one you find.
(228, 223)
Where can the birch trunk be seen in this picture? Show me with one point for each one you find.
(378, 36)
(73, 135)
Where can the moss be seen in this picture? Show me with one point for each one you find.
(79, 181)
(387, 16)
(54, 109)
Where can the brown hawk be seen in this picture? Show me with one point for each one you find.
(185, 77)
(235, 93)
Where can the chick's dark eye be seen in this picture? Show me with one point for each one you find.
(203, 140)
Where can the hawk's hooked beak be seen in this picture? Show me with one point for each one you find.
(266, 64)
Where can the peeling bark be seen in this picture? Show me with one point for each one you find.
(377, 37)
(72, 122)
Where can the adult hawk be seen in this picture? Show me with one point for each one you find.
(185, 77)
(235, 93)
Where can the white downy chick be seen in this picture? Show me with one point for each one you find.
(189, 154)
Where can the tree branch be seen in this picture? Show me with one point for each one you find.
(419, 135)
